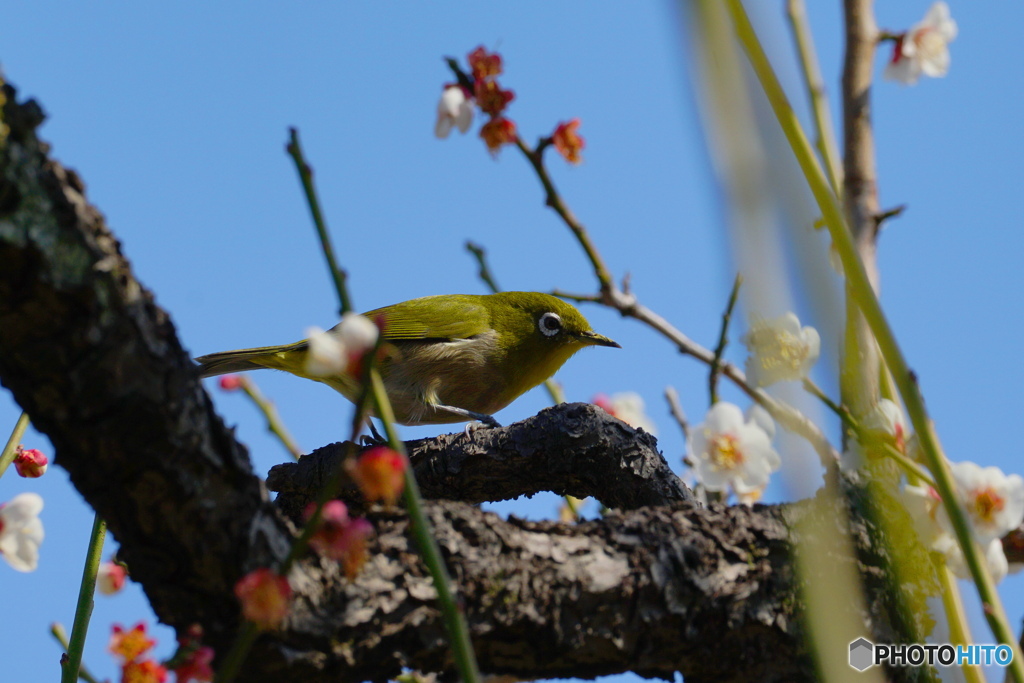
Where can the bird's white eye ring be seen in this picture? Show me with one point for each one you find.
(549, 324)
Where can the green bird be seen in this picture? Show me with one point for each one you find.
(448, 358)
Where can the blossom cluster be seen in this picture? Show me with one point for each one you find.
(130, 647)
(994, 503)
(340, 350)
(455, 109)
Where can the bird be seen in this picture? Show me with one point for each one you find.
(447, 358)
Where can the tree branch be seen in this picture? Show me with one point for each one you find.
(570, 449)
(96, 364)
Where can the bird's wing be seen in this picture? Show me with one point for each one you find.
(447, 317)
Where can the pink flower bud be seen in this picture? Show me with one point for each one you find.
(568, 142)
(196, 666)
(491, 98)
(380, 473)
(339, 537)
(265, 597)
(30, 463)
(110, 578)
(484, 64)
(231, 382)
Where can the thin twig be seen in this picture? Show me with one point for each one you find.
(676, 410)
(554, 200)
(275, 425)
(480, 254)
(339, 276)
(578, 298)
(723, 340)
(786, 415)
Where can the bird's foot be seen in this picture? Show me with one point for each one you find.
(373, 438)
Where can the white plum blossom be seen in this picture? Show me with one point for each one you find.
(629, 407)
(453, 109)
(730, 452)
(993, 500)
(21, 531)
(924, 505)
(994, 504)
(357, 332)
(326, 354)
(995, 558)
(780, 350)
(335, 351)
(924, 49)
(887, 423)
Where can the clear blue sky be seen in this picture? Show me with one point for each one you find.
(176, 115)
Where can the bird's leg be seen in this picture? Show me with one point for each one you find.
(469, 414)
(375, 439)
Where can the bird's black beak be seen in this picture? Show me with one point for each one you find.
(595, 339)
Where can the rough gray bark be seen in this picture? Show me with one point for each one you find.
(574, 449)
(661, 587)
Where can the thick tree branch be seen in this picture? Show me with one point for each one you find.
(576, 449)
(96, 364)
(85, 350)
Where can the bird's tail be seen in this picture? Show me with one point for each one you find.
(248, 359)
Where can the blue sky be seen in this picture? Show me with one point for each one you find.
(176, 117)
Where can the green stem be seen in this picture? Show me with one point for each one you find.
(796, 11)
(339, 276)
(83, 611)
(57, 631)
(554, 390)
(865, 298)
(723, 340)
(959, 634)
(247, 636)
(7, 456)
(274, 423)
(455, 623)
(813, 389)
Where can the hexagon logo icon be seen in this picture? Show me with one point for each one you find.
(862, 654)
